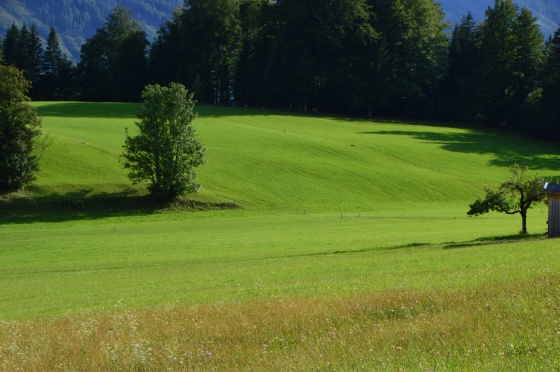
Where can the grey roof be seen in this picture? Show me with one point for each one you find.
(552, 188)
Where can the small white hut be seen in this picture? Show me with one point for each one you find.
(553, 192)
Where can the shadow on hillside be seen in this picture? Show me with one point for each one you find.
(81, 205)
(130, 110)
(78, 205)
(90, 110)
(209, 111)
(506, 147)
(493, 240)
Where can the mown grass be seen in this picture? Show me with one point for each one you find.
(300, 219)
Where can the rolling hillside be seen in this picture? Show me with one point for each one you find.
(350, 249)
(273, 161)
(75, 20)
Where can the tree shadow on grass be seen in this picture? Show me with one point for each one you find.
(493, 240)
(507, 148)
(90, 109)
(121, 110)
(83, 205)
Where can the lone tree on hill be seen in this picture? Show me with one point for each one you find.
(166, 151)
(19, 129)
(516, 195)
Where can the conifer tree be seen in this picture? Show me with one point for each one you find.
(461, 81)
(510, 53)
(550, 112)
(108, 68)
(416, 47)
(34, 60)
(198, 47)
(58, 77)
(53, 55)
(10, 45)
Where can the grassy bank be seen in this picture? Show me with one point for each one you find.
(506, 326)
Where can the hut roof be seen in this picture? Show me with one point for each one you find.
(552, 188)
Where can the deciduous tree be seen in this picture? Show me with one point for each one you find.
(516, 195)
(19, 129)
(166, 150)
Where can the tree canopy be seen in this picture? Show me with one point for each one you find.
(360, 57)
(19, 129)
(113, 62)
(516, 195)
(166, 150)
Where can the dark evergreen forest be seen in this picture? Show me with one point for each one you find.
(396, 58)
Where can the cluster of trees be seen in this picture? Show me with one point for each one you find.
(502, 73)
(375, 57)
(113, 65)
(163, 154)
(75, 20)
(49, 71)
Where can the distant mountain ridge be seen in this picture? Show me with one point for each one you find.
(547, 11)
(76, 20)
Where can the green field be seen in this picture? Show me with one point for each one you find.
(328, 209)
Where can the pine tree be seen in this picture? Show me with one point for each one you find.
(24, 50)
(109, 66)
(527, 67)
(416, 46)
(11, 45)
(510, 50)
(93, 71)
(163, 61)
(461, 81)
(251, 60)
(315, 57)
(198, 48)
(53, 54)
(34, 59)
(551, 89)
(57, 81)
(129, 67)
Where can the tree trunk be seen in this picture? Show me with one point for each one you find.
(524, 223)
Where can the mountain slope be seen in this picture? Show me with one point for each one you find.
(76, 20)
(547, 11)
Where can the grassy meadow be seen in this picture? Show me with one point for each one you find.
(315, 242)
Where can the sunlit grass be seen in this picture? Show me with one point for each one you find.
(505, 326)
(349, 248)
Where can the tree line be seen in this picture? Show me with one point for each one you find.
(360, 57)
